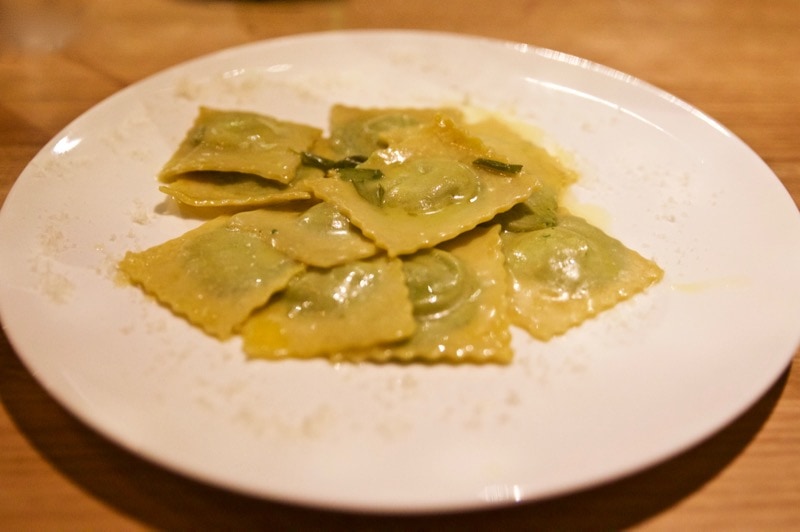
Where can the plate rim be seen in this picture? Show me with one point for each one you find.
(594, 68)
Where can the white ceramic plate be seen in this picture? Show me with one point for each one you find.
(635, 386)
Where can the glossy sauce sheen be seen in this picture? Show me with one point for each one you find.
(406, 234)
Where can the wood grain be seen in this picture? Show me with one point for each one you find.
(735, 60)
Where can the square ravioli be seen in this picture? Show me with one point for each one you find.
(459, 294)
(214, 275)
(327, 311)
(318, 236)
(243, 142)
(230, 190)
(429, 185)
(403, 235)
(356, 131)
(563, 275)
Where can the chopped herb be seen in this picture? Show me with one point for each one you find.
(353, 160)
(497, 166)
(197, 135)
(358, 175)
(316, 161)
(367, 182)
(323, 163)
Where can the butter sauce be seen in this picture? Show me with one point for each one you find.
(403, 235)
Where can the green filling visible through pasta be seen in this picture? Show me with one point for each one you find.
(402, 235)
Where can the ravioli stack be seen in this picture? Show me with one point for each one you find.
(403, 235)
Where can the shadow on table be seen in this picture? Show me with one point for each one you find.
(158, 498)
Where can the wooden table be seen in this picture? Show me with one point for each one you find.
(736, 60)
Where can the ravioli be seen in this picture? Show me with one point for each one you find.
(459, 296)
(214, 275)
(424, 188)
(319, 236)
(564, 275)
(539, 211)
(243, 142)
(501, 138)
(230, 190)
(359, 131)
(404, 235)
(329, 311)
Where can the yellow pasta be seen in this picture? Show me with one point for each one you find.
(423, 189)
(403, 235)
(230, 190)
(243, 142)
(358, 131)
(215, 275)
(319, 236)
(325, 312)
(565, 274)
(501, 138)
(460, 302)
